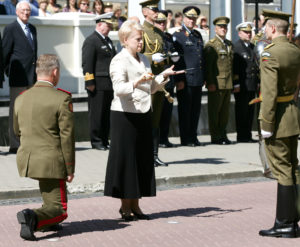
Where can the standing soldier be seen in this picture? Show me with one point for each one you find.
(170, 53)
(97, 52)
(280, 122)
(189, 42)
(219, 58)
(43, 119)
(153, 49)
(245, 70)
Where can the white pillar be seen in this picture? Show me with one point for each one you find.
(219, 8)
(237, 16)
(134, 9)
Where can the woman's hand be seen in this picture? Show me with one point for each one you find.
(146, 76)
(169, 71)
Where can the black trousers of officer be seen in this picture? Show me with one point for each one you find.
(166, 116)
(244, 114)
(99, 103)
(189, 107)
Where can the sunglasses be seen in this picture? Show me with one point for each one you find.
(85, 4)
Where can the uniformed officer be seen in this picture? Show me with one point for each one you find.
(218, 58)
(153, 50)
(280, 122)
(97, 52)
(245, 70)
(189, 43)
(43, 119)
(171, 56)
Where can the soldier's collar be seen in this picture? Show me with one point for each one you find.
(222, 40)
(280, 39)
(44, 82)
(148, 24)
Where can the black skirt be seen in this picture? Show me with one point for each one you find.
(130, 167)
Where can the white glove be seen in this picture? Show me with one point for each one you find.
(158, 57)
(266, 134)
(175, 57)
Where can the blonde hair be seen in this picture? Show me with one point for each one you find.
(46, 63)
(126, 28)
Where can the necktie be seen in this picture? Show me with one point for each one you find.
(28, 35)
(109, 42)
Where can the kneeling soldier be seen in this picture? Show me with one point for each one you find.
(43, 119)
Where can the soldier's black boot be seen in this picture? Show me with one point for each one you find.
(286, 214)
(28, 220)
(155, 137)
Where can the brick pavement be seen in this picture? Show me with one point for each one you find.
(229, 215)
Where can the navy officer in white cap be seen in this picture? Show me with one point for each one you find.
(245, 81)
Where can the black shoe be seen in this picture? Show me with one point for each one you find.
(127, 216)
(218, 142)
(28, 221)
(226, 141)
(99, 146)
(141, 216)
(158, 162)
(166, 144)
(195, 144)
(280, 230)
(13, 150)
(53, 228)
(247, 140)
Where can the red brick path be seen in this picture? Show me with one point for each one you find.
(222, 216)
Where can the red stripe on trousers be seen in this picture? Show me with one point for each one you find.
(60, 218)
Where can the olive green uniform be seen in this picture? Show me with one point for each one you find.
(219, 61)
(280, 63)
(43, 119)
(153, 43)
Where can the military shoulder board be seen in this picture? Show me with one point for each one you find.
(268, 46)
(65, 91)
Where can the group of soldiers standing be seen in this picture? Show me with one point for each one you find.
(212, 64)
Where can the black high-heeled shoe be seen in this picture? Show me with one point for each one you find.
(127, 216)
(141, 216)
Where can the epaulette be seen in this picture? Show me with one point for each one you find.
(196, 33)
(65, 91)
(268, 46)
(213, 40)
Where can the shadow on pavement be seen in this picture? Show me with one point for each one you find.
(213, 161)
(188, 212)
(79, 227)
(82, 148)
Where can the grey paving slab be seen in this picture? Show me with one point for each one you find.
(186, 165)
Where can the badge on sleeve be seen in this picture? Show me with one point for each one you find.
(265, 56)
(71, 107)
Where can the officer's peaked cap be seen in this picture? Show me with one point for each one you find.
(191, 11)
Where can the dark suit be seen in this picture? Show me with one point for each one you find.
(1, 64)
(245, 70)
(19, 62)
(166, 114)
(19, 57)
(190, 45)
(96, 58)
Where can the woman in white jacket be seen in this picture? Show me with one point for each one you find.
(130, 171)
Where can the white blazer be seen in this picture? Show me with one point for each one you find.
(124, 71)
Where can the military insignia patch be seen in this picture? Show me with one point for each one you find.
(88, 76)
(71, 107)
(265, 54)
